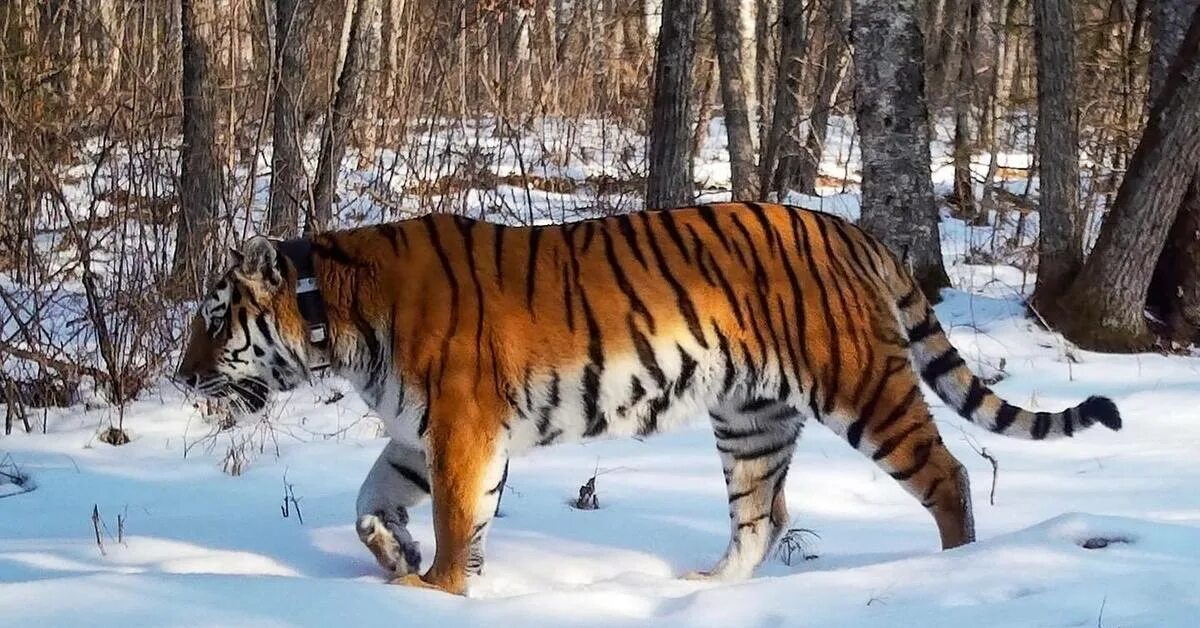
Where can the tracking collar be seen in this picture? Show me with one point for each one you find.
(308, 298)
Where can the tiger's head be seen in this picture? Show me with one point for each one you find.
(248, 338)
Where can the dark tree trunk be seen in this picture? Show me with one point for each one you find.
(963, 194)
(1104, 308)
(893, 122)
(1174, 293)
(727, 24)
(200, 175)
(289, 187)
(341, 114)
(670, 178)
(781, 151)
(1060, 241)
(828, 82)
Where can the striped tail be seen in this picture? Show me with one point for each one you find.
(945, 371)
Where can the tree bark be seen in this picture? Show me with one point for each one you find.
(781, 150)
(341, 114)
(670, 177)
(1174, 293)
(1060, 242)
(893, 122)
(200, 175)
(289, 186)
(727, 24)
(830, 79)
(1104, 308)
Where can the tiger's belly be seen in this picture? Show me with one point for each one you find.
(626, 397)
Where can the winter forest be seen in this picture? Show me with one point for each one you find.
(1034, 164)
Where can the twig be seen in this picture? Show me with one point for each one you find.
(96, 527)
(986, 455)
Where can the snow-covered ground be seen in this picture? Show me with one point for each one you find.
(193, 531)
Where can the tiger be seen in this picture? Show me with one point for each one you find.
(475, 342)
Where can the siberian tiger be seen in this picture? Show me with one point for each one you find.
(475, 342)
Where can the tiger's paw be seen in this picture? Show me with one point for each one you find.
(412, 580)
(391, 544)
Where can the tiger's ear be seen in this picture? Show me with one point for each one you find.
(259, 261)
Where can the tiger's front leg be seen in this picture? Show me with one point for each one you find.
(467, 454)
(398, 480)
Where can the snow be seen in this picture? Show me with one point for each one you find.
(202, 539)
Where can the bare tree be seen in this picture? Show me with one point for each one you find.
(893, 121)
(781, 149)
(1060, 242)
(200, 174)
(1174, 292)
(341, 112)
(670, 178)
(727, 22)
(289, 186)
(829, 80)
(1104, 308)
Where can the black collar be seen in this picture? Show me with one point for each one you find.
(308, 297)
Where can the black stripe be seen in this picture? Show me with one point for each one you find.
(499, 485)
(596, 422)
(687, 370)
(924, 329)
(414, 478)
(646, 356)
(756, 405)
(888, 446)
(727, 290)
(568, 299)
(1041, 425)
(1005, 417)
(389, 233)
(629, 232)
(900, 409)
(933, 486)
(762, 451)
(498, 252)
(835, 343)
(908, 299)
(940, 366)
(727, 380)
(681, 297)
(544, 414)
(1069, 422)
(466, 227)
(760, 213)
(623, 283)
(710, 219)
(974, 398)
(535, 237)
(921, 454)
(668, 223)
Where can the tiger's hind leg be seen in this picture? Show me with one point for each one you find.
(895, 429)
(755, 442)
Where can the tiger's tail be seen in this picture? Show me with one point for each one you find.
(948, 375)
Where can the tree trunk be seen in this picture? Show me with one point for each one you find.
(200, 175)
(1174, 293)
(289, 187)
(1104, 308)
(781, 150)
(341, 114)
(670, 178)
(893, 122)
(1060, 242)
(963, 194)
(831, 74)
(727, 24)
